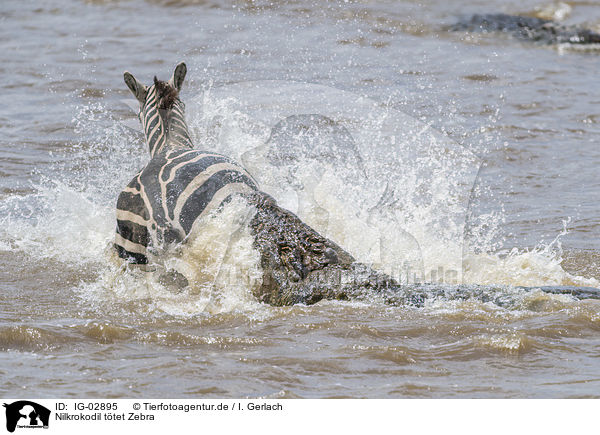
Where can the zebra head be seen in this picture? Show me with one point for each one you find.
(156, 103)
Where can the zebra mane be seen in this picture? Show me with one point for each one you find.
(166, 94)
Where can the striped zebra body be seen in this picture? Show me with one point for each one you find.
(178, 186)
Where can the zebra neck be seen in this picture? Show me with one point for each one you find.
(178, 135)
(153, 124)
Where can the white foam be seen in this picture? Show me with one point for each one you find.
(219, 262)
(57, 222)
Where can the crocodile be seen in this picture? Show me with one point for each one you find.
(527, 28)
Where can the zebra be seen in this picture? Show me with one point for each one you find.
(161, 204)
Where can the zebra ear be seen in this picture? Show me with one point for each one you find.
(139, 90)
(178, 76)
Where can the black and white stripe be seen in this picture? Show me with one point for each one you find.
(178, 186)
(153, 123)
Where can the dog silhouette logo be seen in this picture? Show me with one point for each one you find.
(26, 414)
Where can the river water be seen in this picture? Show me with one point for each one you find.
(475, 162)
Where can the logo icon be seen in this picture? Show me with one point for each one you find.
(26, 414)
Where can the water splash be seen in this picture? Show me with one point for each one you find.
(405, 209)
(539, 266)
